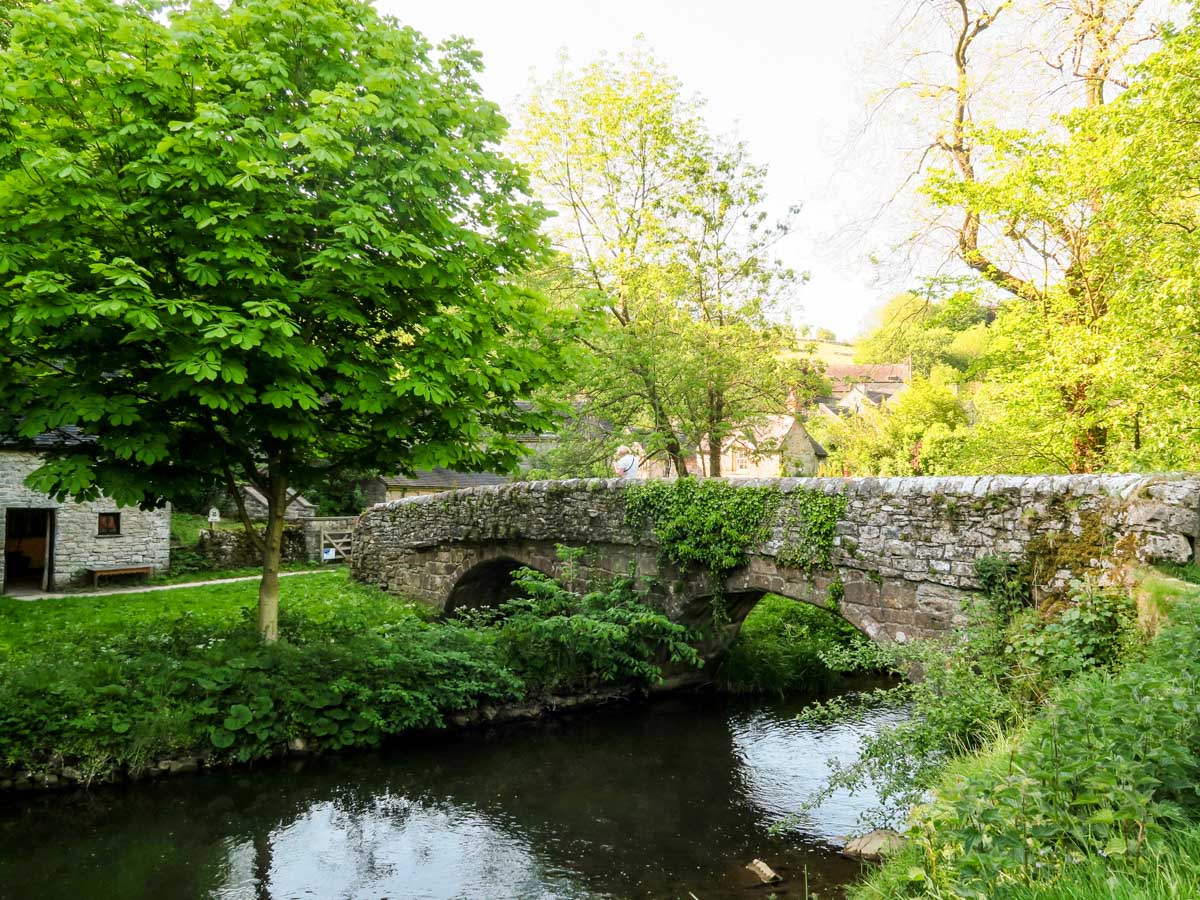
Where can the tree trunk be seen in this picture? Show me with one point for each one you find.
(677, 458)
(714, 458)
(716, 413)
(268, 588)
(1089, 445)
(662, 423)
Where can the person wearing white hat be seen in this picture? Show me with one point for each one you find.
(626, 465)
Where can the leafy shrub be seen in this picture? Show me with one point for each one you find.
(195, 687)
(782, 646)
(1094, 631)
(353, 667)
(1008, 661)
(557, 639)
(1108, 770)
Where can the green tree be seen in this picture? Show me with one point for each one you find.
(908, 436)
(666, 238)
(1109, 350)
(992, 167)
(259, 240)
(928, 330)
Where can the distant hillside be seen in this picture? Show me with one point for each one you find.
(832, 352)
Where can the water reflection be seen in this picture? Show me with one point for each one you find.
(639, 801)
(786, 762)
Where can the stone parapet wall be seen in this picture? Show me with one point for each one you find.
(905, 548)
(234, 549)
(144, 540)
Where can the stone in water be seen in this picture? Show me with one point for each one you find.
(765, 873)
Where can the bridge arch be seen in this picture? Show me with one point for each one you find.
(485, 585)
(743, 592)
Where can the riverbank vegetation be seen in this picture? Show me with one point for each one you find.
(93, 688)
(1053, 753)
(783, 646)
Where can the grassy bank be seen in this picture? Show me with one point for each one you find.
(102, 686)
(1091, 792)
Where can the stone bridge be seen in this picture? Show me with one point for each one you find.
(903, 558)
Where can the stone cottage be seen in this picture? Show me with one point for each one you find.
(49, 545)
(780, 446)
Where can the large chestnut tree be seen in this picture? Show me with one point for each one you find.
(253, 241)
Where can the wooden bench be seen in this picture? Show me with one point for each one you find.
(117, 570)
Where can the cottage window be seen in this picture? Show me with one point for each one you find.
(109, 523)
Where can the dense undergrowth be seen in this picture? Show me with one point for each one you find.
(1054, 754)
(782, 648)
(102, 685)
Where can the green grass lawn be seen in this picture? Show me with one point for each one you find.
(80, 619)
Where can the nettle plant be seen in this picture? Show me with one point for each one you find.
(1011, 659)
(557, 639)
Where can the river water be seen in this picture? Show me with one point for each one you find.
(670, 798)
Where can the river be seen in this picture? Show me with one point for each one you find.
(660, 799)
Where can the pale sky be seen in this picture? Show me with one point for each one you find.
(787, 76)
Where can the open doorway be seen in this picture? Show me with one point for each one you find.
(28, 550)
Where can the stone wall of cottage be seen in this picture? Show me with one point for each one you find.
(145, 537)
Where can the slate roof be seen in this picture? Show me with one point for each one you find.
(66, 436)
(444, 480)
(844, 376)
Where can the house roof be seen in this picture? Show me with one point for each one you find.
(65, 436)
(776, 428)
(845, 376)
(297, 501)
(444, 479)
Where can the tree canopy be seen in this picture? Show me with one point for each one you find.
(259, 240)
(663, 234)
(1077, 214)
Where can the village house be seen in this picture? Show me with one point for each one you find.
(858, 387)
(256, 505)
(432, 481)
(779, 447)
(50, 545)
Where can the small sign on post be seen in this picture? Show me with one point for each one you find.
(214, 516)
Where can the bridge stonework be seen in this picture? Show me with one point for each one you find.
(904, 552)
